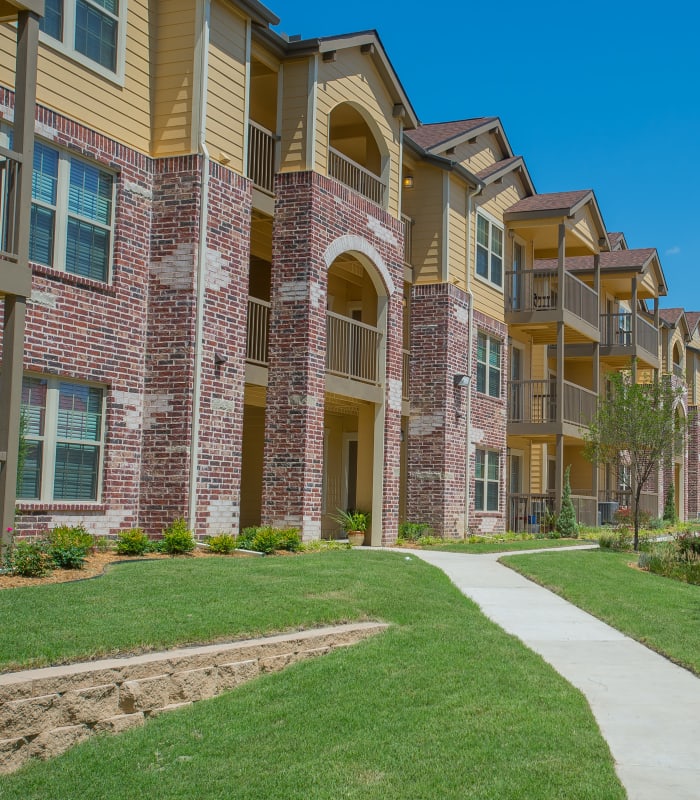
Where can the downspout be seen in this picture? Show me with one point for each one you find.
(201, 74)
(470, 334)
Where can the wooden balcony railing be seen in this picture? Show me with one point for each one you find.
(10, 169)
(616, 330)
(405, 374)
(536, 402)
(258, 326)
(355, 176)
(529, 513)
(586, 508)
(352, 349)
(647, 336)
(407, 239)
(538, 290)
(262, 146)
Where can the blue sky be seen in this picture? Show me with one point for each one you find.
(594, 95)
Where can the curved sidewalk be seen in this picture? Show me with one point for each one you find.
(648, 709)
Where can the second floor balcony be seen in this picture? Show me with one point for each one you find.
(357, 177)
(262, 157)
(622, 336)
(538, 298)
(546, 407)
(352, 347)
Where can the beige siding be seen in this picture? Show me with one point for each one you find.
(457, 233)
(480, 154)
(423, 204)
(295, 107)
(173, 71)
(353, 78)
(72, 89)
(226, 89)
(585, 228)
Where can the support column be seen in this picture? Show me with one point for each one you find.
(595, 378)
(559, 480)
(634, 330)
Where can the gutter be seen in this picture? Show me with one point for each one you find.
(202, 75)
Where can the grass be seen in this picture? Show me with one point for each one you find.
(444, 704)
(661, 613)
(505, 547)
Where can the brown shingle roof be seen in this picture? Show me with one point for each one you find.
(693, 318)
(616, 259)
(614, 239)
(497, 167)
(435, 133)
(556, 201)
(671, 315)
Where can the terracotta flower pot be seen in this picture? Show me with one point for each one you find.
(356, 538)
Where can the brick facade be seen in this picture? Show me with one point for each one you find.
(316, 220)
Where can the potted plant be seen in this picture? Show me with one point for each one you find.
(354, 523)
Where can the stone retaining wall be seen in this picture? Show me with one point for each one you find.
(45, 711)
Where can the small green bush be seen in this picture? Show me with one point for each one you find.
(132, 542)
(244, 540)
(429, 541)
(620, 539)
(688, 545)
(177, 538)
(223, 543)
(102, 544)
(69, 546)
(321, 545)
(289, 539)
(266, 540)
(29, 559)
(411, 531)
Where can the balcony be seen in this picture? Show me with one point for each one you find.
(534, 513)
(617, 339)
(355, 176)
(10, 170)
(533, 407)
(352, 348)
(534, 297)
(262, 153)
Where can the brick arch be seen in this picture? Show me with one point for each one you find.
(368, 255)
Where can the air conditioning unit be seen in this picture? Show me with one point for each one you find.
(606, 512)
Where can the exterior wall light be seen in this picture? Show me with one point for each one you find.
(461, 380)
(408, 182)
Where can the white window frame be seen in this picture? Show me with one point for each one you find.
(61, 212)
(499, 342)
(67, 44)
(492, 223)
(487, 453)
(50, 438)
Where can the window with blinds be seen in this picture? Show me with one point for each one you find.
(488, 365)
(63, 427)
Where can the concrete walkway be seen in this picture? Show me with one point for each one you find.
(648, 709)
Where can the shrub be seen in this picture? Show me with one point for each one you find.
(102, 544)
(670, 505)
(244, 540)
(566, 521)
(69, 546)
(29, 559)
(289, 539)
(429, 541)
(411, 531)
(132, 542)
(266, 540)
(319, 545)
(223, 543)
(177, 538)
(620, 539)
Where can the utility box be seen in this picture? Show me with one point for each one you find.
(606, 512)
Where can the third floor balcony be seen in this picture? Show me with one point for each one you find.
(548, 407)
(622, 336)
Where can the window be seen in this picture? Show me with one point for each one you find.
(488, 365)
(64, 433)
(489, 250)
(72, 214)
(90, 30)
(486, 480)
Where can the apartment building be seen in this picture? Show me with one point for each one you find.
(262, 290)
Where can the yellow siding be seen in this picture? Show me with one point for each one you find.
(423, 204)
(294, 123)
(480, 154)
(226, 90)
(76, 91)
(457, 234)
(495, 199)
(353, 78)
(173, 77)
(586, 229)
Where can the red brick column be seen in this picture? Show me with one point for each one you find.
(437, 429)
(693, 464)
(316, 220)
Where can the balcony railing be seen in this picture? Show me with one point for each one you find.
(405, 374)
(538, 290)
(258, 326)
(536, 402)
(352, 349)
(678, 371)
(407, 239)
(355, 176)
(616, 330)
(586, 508)
(262, 146)
(10, 168)
(530, 513)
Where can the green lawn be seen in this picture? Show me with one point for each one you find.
(505, 547)
(662, 613)
(443, 705)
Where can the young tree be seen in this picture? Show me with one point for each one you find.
(566, 521)
(636, 423)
